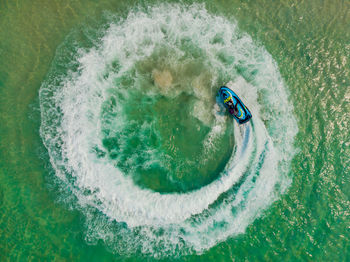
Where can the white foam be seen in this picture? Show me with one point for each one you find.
(77, 106)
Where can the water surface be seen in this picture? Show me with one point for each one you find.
(82, 169)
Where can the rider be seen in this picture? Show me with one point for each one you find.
(232, 108)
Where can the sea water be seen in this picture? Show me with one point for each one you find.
(131, 148)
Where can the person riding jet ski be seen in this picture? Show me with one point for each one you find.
(234, 105)
(232, 108)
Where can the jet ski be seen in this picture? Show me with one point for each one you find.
(234, 105)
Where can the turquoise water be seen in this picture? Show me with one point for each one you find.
(116, 147)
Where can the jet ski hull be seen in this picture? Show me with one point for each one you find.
(243, 114)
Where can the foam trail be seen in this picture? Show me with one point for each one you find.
(73, 126)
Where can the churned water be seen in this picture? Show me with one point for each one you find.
(115, 145)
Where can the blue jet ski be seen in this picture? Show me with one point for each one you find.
(234, 105)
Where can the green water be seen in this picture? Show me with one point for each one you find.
(40, 217)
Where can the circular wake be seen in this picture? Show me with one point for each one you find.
(133, 130)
